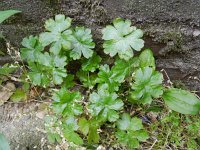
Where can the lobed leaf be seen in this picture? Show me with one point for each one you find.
(32, 49)
(105, 105)
(67, 103)
(57, 35)
(122, 39)
(130, 131)
(147, 85)
(92, 63)
(82, 43)
(88, 80)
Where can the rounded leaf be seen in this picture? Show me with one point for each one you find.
(146, 59)
(181, 101)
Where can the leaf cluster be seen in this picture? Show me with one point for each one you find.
(48, 54)
(130, 131)
(104, 99)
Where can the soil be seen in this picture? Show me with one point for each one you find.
(172, 30)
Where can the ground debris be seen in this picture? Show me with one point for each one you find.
(6, 92)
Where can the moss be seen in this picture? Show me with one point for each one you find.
(180, 84)
(172, 36)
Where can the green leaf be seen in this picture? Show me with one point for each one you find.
(88, 80)
(51, 137)
(146, 59)
(39, 74)
(67, 103)
(47, 69)
(1, 52)
(122, 69)
(7, 13)
(72, 136)
(82, 43)
(147, 85)
(105, 105)
(4, 145)
(57, 34)
(105, 78)
(18, 96)
(90, 127)
(92, 63)
(68, 81)
(58, 75)
(59, 24)
(181, 101)
(122, 39)
(32, 49)
(45, 59)
(60, 62)
(84, 126)
(71, 123)
(6, 69)
(141, 135)
(130, 131)
(135, 124)
(69, 131)
(124, 123)
(127, 139)
(26, 86)
(111, 114)
(117, 74)
(93, 136)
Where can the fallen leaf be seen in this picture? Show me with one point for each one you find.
(6, 92)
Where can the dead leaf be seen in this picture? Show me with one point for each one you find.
(6, 92)
(41, 114)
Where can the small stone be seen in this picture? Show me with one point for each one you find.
(41, 114)
(196, 33)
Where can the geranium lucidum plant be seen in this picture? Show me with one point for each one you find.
(80, 115)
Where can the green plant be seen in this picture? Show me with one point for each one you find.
(122, 39)
(107, 90)
(147, 85)
(181, 101)
(45, 67)
(104, 104)
(130, 131)
(6, 14)
(177, 131)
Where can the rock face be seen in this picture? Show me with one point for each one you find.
(172, 27)
(23, 129)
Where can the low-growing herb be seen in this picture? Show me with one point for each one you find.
(102, 101)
